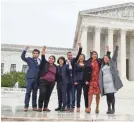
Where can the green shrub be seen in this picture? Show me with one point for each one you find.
(21, 79)
(9, 79)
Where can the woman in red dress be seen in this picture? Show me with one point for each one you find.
(93, 65)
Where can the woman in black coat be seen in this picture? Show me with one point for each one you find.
(48, 75)
(79, 81)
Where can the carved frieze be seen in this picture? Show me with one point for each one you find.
(126, 12)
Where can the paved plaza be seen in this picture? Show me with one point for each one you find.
(12, 109)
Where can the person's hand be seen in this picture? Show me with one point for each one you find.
(91, 50)
(43, 50)
(27, 47)
(75, 83)
(68, 61)
(107, 47)
(79, 43)
(86, 82)
(117, 44)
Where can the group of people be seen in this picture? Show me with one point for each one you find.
(95, 76)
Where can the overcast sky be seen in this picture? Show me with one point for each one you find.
(44, 22)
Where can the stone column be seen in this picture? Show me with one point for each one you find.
(123, 54)
(97, 40)
(110, 40)
(83, 39)
(131, 59)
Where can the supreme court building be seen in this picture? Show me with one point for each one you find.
(97, 28)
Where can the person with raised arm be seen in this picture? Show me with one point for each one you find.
(71, 94)
(79, 82)
(109, 80)
(91, 75)
(31, 77)
(48, 75)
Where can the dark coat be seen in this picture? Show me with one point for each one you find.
(44, 66)
(73, 61)
(79, 73)
(117, 81)
(88, 67)
(33, 69)
(64, 74)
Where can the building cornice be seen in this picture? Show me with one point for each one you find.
(109, 18)
(130, 4)
(50, 50)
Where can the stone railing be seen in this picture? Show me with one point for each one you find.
(17, 90)
(7, 89)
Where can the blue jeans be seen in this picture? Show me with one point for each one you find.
(31, 85)
(73, 96)
(78, 89)
(69, 95)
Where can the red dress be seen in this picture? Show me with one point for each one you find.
(94, 83)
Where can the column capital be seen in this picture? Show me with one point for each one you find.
(84, 28)
(123, 31)
(111, 30)
(97, 29)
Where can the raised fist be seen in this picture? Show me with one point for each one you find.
(27, 47)
(43, 50)
(79, 43)
(107, 47)
(91, 50)
(117, 44)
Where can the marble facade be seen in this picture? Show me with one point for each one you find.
(97, 28)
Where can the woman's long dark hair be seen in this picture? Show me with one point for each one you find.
(103, 63)
(79, 57)
(53, 57)
(92, 54)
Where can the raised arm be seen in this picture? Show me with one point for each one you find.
(79, 52)
(23, 55)
(43, 59)
(114, 58)
(91, 52)
(108, 52)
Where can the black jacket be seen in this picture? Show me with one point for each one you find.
(79, 73)
(44, 66)
(88, 68)
(64, 74)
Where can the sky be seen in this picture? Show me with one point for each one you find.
(44, 22)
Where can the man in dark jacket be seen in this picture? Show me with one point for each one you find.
(31, 77)
(72, 90)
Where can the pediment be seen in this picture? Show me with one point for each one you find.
(120, 11)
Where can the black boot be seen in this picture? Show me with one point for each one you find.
(58, 109)
(62, 109)
(113, 106)
(109, 107)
